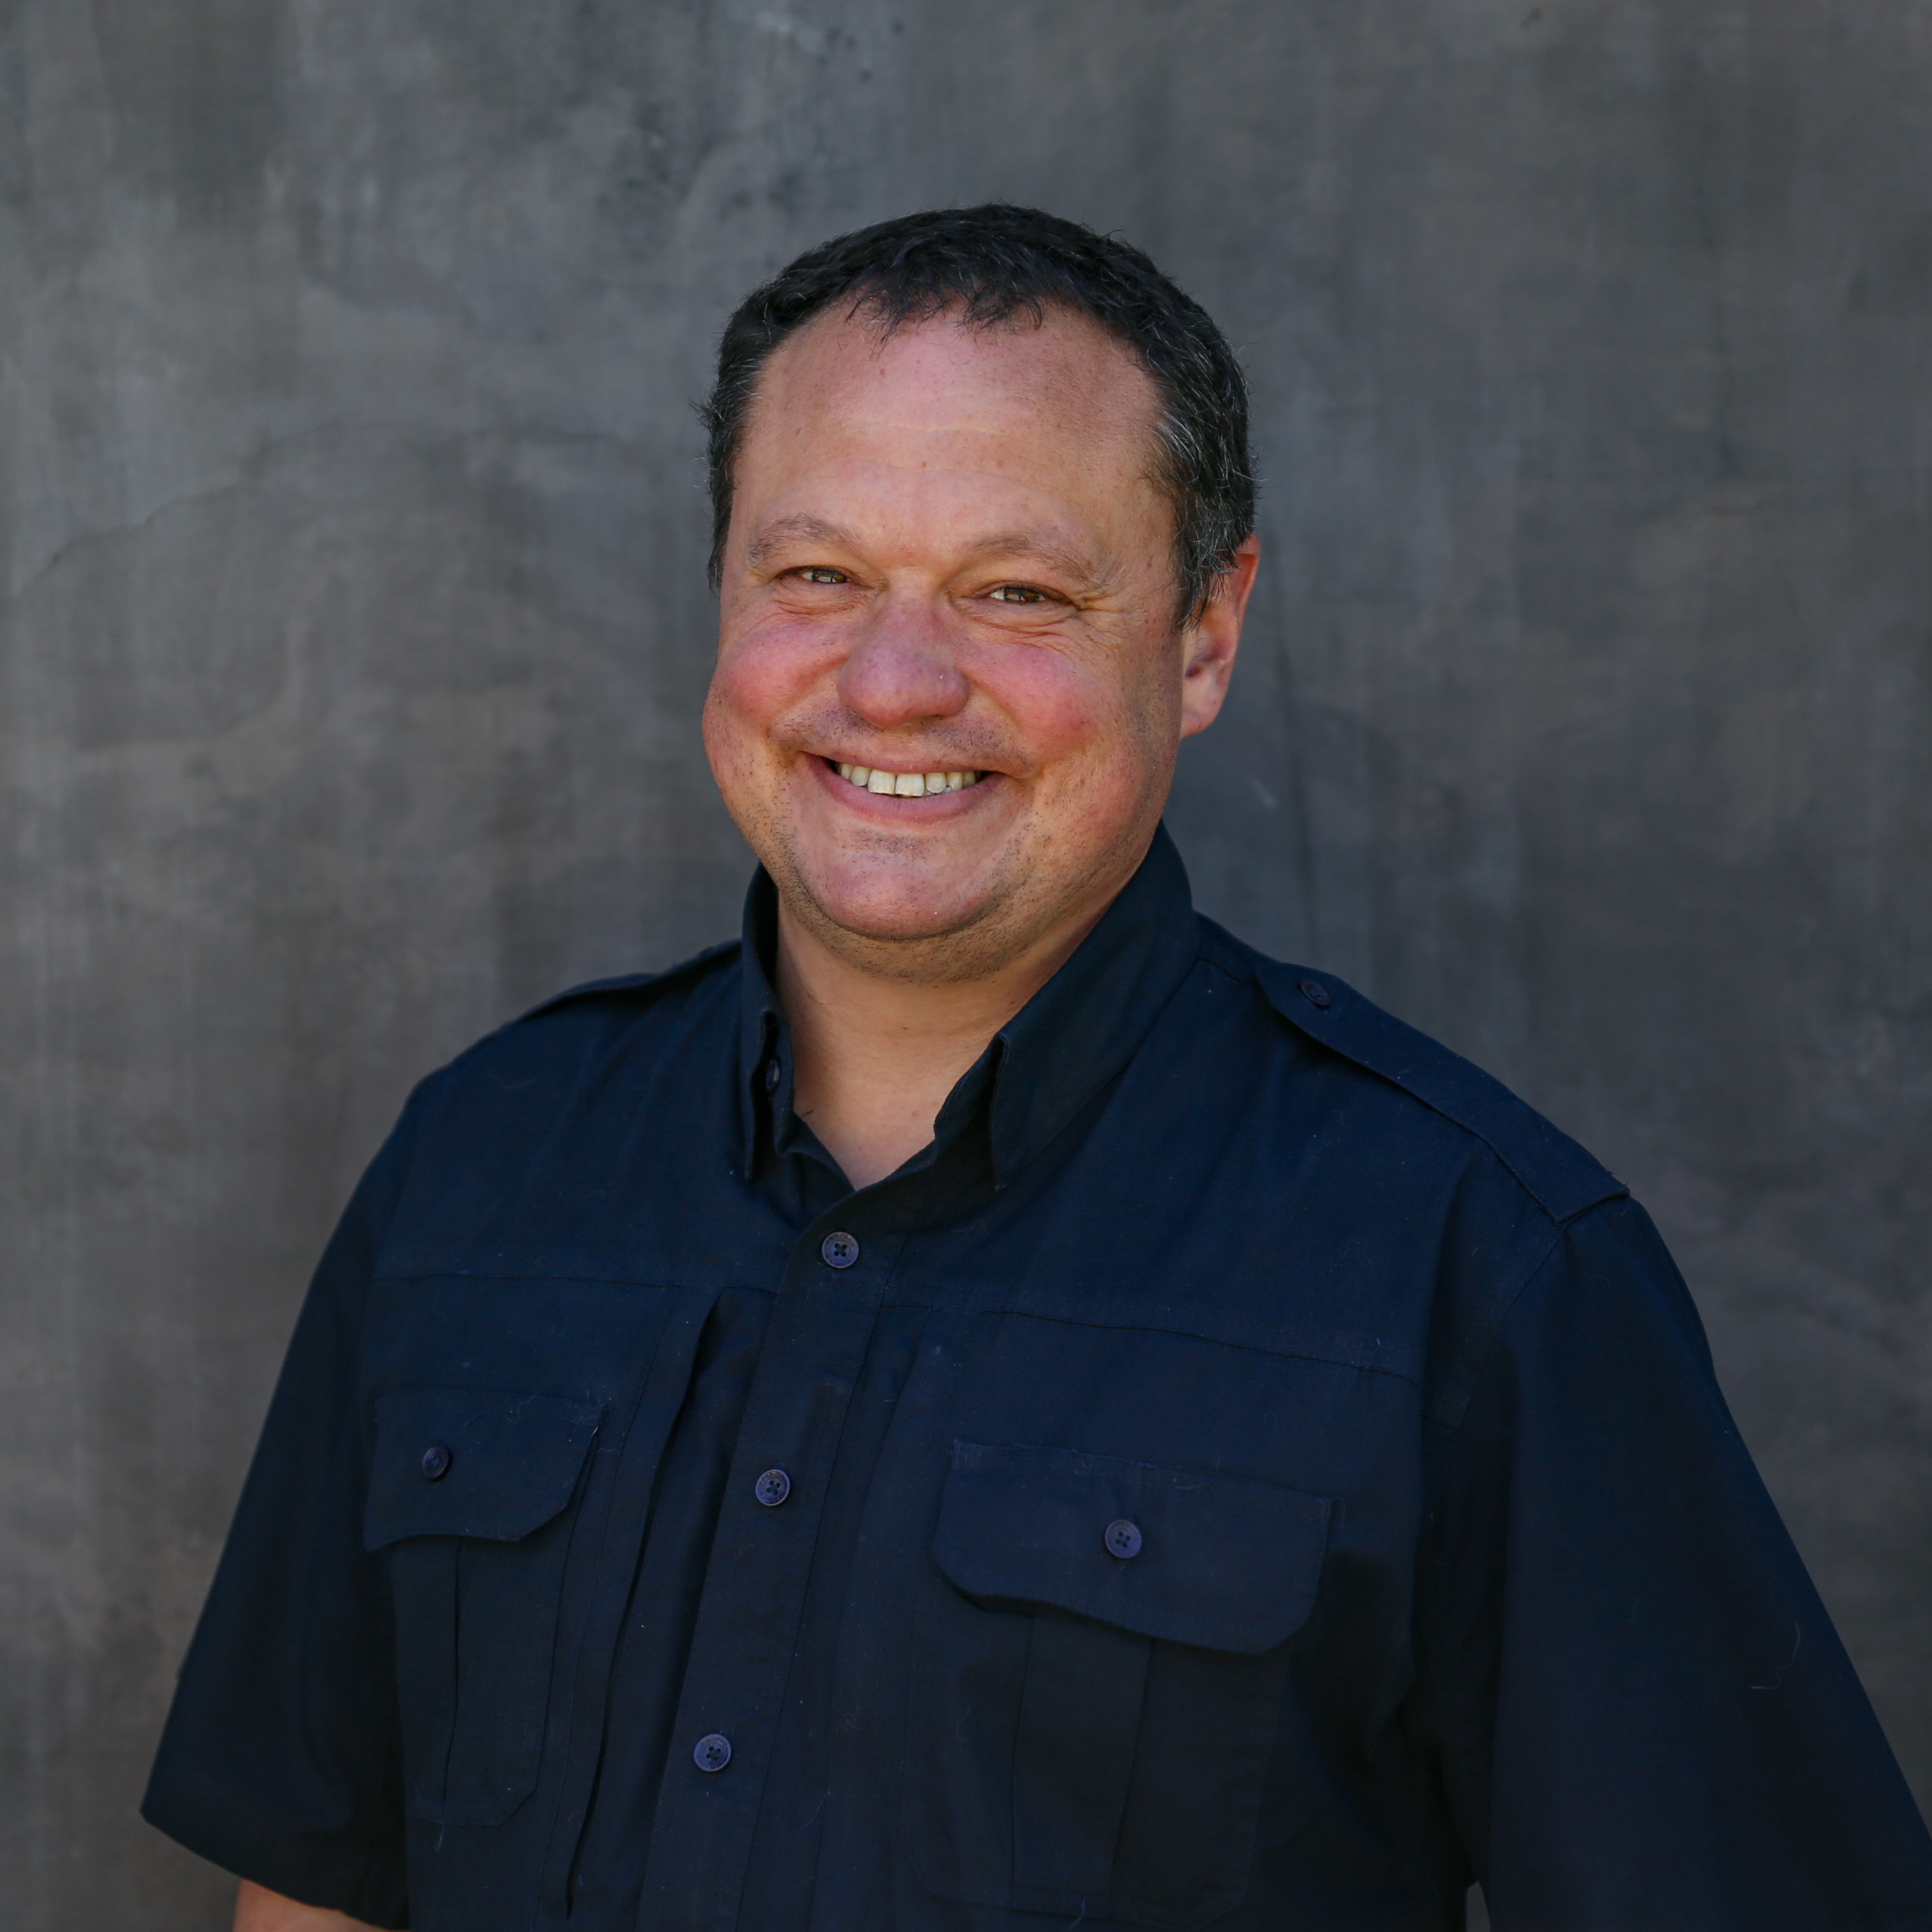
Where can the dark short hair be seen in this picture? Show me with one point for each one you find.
(988, 263)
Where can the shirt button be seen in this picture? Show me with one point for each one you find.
(1313, 992)
(772, 1488)
(711, 1753)
(1122, 1539)
(840, 1250)
(436, 1462)
(771, 1076)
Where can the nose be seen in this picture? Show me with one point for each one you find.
(902, 670)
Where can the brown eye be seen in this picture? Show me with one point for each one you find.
(1017, 594)
(818, 573)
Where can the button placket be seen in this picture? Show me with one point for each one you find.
(754, 1596)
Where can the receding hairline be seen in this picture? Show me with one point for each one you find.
(886, 325)
(996, 262)
(864, 313)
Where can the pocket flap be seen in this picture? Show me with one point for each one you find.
(472, 1462)
(1228, 1563)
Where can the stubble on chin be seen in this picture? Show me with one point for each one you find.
(975, 941)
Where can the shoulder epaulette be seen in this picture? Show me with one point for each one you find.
(634, 982)
(1562, 1177)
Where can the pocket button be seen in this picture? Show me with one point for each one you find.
(1122, 1539)
(436, 1462)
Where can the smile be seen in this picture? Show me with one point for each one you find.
(905, 784)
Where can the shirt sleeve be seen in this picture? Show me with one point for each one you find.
(1642, 1716)
(280, 1758)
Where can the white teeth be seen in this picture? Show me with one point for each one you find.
(906, 784)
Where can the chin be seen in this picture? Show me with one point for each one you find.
(895, 918)
(886, 890)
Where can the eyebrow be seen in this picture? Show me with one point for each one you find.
(800, 529)
(997, 547)
(1016, 545)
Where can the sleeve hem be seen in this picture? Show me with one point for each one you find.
(339, 1870)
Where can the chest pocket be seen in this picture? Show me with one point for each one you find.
(469, 1491)
(1100, 1660)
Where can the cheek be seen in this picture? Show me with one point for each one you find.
(1057, 706)
(765, 673)
(1070, 712)
(766, 680)
(748, 689)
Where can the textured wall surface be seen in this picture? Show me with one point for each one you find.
(355, 630)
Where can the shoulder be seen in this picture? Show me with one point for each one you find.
(562, 1038)
(1561, 1178)
(629, 993)
(521, 1137)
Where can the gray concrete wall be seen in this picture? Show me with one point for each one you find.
(354, 631)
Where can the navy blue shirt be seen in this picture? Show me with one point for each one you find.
(1249, 1470)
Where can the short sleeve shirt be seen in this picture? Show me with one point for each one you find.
(1249, 1470)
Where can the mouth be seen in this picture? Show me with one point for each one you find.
(904, 784)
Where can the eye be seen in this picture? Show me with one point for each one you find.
(1016, 594)
(821, 574)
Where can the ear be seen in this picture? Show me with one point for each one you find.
(1209, 643)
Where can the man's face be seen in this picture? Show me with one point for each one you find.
(947, 556)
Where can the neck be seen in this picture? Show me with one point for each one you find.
(874, 1057)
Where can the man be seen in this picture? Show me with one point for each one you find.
(990, 1403)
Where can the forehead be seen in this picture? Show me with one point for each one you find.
(1034, 400)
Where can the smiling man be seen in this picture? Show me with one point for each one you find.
(987, 1403)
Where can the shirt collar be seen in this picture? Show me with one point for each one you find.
(1052, 1057)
